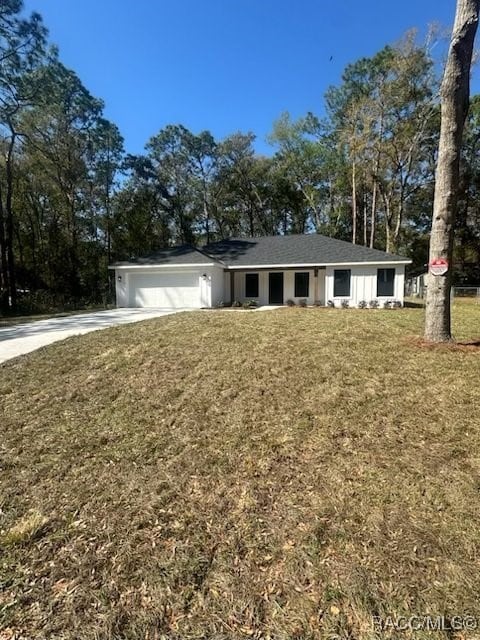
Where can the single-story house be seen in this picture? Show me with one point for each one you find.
(269, 270)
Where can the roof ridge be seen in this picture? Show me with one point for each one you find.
(208, 255)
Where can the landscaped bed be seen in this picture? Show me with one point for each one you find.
(217, 475)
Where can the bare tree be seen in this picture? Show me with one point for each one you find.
(455, 95)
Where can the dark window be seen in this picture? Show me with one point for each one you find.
(251, 285)
(341, 283)
(301, 284)
(385, 282)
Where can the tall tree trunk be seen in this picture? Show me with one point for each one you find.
(108, 208)
(4, 287)
(12, 285)
(388, 219)
(354, 204)
(206, 215)
(454, 93)
(397, 229)
(365, 220)
(373, 216)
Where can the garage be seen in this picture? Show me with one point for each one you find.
(174, 290)
(181, 277)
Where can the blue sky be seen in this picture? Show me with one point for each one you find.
(222, 65)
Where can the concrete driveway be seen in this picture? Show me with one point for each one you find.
(22, 338)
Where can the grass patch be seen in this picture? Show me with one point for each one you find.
(27, 529)
(215, 475)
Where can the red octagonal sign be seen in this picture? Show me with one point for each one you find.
(438, 266)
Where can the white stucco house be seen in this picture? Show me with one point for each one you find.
(269, 270)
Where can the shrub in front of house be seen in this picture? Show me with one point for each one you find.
(236, 304)
(373, 304)
(362, 304)
(250, 304)
(345, 304)
(330, 303)
(290, 303)
(302, 302)
(392, 304)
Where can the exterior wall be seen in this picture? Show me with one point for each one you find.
(217, 286)
(239, 286)
(363, 284)
(121, 288)
(205, 287)
(316, 285)
(289, 286)
(227, 297)
(320, 291)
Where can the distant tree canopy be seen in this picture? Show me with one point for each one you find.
(71, 199)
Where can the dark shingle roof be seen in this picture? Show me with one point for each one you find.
(184, 254)
(294, 249)
(306, 249)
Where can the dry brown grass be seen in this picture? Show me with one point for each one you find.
(24, 530)
(278, 475)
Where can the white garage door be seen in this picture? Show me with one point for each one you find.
(165, 290)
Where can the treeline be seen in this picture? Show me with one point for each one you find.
(72, 200)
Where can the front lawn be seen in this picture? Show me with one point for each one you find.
(282, 474)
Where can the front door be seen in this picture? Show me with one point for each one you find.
(275, 288)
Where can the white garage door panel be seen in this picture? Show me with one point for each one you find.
(166, 290)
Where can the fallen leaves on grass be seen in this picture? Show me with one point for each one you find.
(217, 475)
